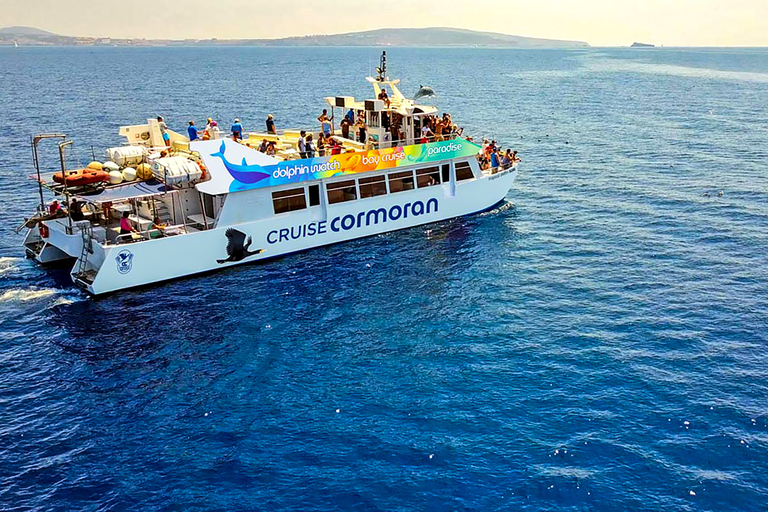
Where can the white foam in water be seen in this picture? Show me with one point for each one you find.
(26, 295)
(8, 264)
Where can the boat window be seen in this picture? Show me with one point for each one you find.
(428, 177)
(373, 186)
(341, 191)
(314, 195)
(400, 181)
(446, 173)
(289, 200)
(463, 171)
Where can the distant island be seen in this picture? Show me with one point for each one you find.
(642, 45)
(404, 37)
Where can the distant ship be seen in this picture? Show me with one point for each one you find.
(642, 45)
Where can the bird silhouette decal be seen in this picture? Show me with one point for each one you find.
(237, 246)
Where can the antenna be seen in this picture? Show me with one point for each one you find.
(382, 69)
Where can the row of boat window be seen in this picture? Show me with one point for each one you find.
(372, 186)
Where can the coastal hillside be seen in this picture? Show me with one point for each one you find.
(403, 37)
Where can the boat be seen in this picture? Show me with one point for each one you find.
(212, 204)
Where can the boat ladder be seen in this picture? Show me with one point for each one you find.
(82, 273)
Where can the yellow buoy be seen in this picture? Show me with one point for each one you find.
(96, 166)
(144, 172)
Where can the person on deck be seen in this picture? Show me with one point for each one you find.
(302, 144)
(384, 97)
(76, 210)
(426, 133)
(494, 158)
(325, 122)
(361, 129)
(164, 131)
(309, 147)
(192, 131)
(263, 146)
(125, 225)
(351, 116)
(208, 130)
(271, 124)
(156, 230)
(237, 130)
(345, 124)
(54, 208)
(321, 144)
(272, 149)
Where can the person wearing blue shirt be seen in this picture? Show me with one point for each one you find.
(192, 131)
(237, 130)
(351, 116)
(494, 158)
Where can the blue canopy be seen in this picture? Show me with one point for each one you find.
(127, 191)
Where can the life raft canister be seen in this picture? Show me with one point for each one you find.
(43, 229)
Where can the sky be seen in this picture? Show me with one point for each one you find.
(598, 22)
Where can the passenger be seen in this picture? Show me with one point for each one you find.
(321, 143)
(192, 131)
(263, 146)
(335, 147)
(272, 149)
(309, 147)
(106, 208)
(361, 129)
(54, 208)
(506, 160)
(302, 145)
(156, 230)
(271, 124)
(494, 158)
(345, 124)
(76, 210)
(515, 158)
(208, 130)
(426, 133)
(383, 97)
(325, 122)
(439, 130)
(215, 131)
(164, 131)
(237, 130)
(125, 225)
(351, 116)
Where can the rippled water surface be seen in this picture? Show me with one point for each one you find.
(599, 343)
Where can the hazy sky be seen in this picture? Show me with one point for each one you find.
(599, 22)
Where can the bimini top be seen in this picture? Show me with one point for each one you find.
(127, 191)
(234, 167)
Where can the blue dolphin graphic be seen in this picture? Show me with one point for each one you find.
(243, 173)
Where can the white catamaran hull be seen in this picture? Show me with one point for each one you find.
(142, 263)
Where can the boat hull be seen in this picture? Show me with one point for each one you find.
(143, 263)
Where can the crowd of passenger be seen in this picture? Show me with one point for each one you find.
(429, 128)
(492, 156)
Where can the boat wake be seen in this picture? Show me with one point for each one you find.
(8, 265)
(21, 295)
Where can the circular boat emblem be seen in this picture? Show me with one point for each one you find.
(124, 261)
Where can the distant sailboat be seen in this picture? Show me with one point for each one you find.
(15, 44)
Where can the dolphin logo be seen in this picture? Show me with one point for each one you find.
(243, 173)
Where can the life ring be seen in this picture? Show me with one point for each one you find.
(43, 229)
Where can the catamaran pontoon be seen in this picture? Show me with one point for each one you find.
(220, 202)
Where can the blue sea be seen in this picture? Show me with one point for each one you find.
(597, 343)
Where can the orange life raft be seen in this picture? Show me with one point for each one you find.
(82, 177)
